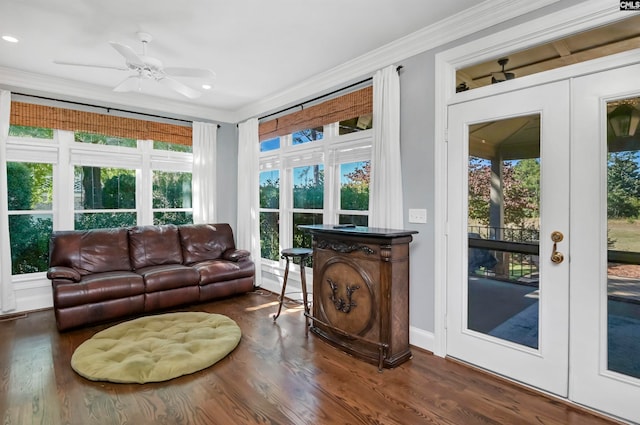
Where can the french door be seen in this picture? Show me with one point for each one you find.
(507, 301)
(543, 248)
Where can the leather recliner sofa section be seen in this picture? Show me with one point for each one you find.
(104, 274)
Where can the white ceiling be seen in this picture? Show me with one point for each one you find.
(258, 48)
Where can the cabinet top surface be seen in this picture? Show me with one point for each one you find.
(356, 230)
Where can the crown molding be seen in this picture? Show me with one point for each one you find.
(62, 89)
(472, 20)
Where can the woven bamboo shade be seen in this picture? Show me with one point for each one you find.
(32, 115)
(341, 108)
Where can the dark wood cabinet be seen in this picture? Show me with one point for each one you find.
(361, 291)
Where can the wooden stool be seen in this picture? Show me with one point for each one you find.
(289, 254)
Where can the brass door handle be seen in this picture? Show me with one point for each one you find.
(556, 256)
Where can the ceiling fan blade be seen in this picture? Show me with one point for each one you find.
(91, 65)
(129, 54)
(179, 87)
(131, 83)
(190, 72)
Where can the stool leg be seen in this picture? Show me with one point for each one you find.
(303, 280)
(284, 287)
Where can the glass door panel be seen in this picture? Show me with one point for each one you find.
(623, 236)
(504, 229)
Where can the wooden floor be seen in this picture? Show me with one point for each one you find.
(274, 376)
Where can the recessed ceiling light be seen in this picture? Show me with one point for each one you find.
(206, 86)
(10, 38)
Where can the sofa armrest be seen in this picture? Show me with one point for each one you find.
(235, 254)
(61, 272)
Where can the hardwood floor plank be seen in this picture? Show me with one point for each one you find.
(276, 375)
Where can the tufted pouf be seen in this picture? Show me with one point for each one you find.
(156, 348)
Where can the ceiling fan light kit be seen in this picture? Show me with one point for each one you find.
(498, 77)
(150, 68)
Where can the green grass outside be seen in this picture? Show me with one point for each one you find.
(626, 234)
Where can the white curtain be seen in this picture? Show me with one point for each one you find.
(205, 136)
(248, 232)
(7, 295)
(385, 192)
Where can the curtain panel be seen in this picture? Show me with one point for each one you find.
(205, 136)
(248, 232)
(7, 295)
(385, 196)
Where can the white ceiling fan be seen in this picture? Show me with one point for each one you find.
(149, 68)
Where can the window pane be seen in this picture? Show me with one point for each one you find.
(270, 189)
(308, 187)
(104, 188)
(172, 217)
(174, 147)
(86, 221)
(304, 239)
(171, 189)
(29, 239)
(100, 139)
(623, 236)
(358, 220)
(363, 122)
(270, 235)
(36, 132)
(29, 186)
(354, 185)
(270, 145)
(307, 135)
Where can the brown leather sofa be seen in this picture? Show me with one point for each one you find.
(104, 274)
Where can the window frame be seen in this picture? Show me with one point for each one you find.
(331, 151)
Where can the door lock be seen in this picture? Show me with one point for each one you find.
(556, 256)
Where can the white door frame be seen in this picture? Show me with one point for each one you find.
(557, 25)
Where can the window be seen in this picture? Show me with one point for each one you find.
(269, 214)
(35, 132)
(104, 197)
(172, 198)
(269, 145)
(30, 191)
(100, 139)
(314, 169)
(307, 135)
(312, 176)
(101, 183)
(361, 123)
(354, 192)
(308, 201)
(173, 147)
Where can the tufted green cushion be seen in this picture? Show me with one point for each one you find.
(156, 348)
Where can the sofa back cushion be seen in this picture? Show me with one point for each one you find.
(154, 246)
(201, 242)
(91, 251)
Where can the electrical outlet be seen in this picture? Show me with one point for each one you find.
(417, 216)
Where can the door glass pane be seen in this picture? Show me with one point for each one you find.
(503, 229)
(623, 236)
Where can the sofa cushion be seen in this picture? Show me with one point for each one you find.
(201, 242)
(91, 251)
(98, 287)
(154, 245)
(220, 270)
(168, 276)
